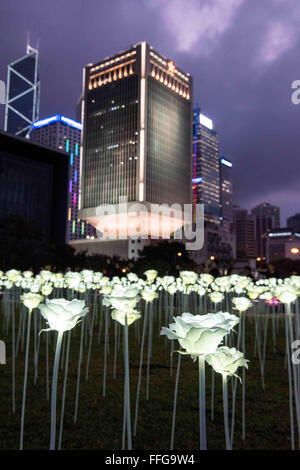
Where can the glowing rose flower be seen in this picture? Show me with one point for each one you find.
(166, 281)
(124, 298)
(46, 289)
(87, 275)
(46, 275)
(241, 303)
(72, 279)
(132, 277)
(287, 296)
(106, 290)
(120, 316)
(149, 294)
(223, 281)
(62, 314)
(8, 284)
(35, 287)
(172, 289)
(31, 300)
(97, 277)
(216, 297)
(207, 278)
(151, 275)
(266, 296)
(13, 275)
(200, 334)
(253, 294)
(274, 301)
(226, 361)
(27, 274)
(201, 290)
(244, 281)
(188, 277)
(295, 280)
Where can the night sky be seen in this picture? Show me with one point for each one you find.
(243, 56)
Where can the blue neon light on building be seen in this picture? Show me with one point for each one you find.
(57, 118)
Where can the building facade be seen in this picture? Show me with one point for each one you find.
(206, 167)
(137, 116)
(62, 133)
(226, 194)
(33, 183)
(293, 222)
(22, 93)
(267, 217)
(244, 230)
(283, 243)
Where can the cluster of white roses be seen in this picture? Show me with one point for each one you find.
(285, 290)
(200, 336)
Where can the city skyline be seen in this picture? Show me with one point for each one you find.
(244, 86)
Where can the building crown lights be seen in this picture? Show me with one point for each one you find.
(57, 118)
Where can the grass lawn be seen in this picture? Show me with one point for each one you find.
(99, 424)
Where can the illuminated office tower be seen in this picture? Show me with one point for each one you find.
(226, 194)
(267, 217)
(60, 132)
(206, 167)
(136, 132)
(23, 94)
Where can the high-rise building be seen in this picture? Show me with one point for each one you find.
(62, 133)
(283, 243)
(267, 217)
(136, 133)
(33, 183)
(244, 229)
(206, 167)
(293, 222)
(22, 93)
(226, 194)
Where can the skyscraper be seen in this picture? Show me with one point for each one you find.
(62, 133)
(226, 193)
(244, 229)
(293, 222)
(23, 93)
(267, 217)
(136, 131)
(206, 167)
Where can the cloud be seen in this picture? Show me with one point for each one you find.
(279, 38)
(195, 25)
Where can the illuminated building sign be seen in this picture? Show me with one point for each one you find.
(280, 234)
(205, 121)
(57, 118)
(197, 180)
(226, 162)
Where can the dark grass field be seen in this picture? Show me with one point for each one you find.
(99, 424)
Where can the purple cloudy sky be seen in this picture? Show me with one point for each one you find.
(243, 55)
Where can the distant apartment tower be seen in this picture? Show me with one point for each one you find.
(293, 222)
(267, 217)
(206, 167)
(62, 133)
(137, 118)
(244, 229)
(226, 194)
(22, 93)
